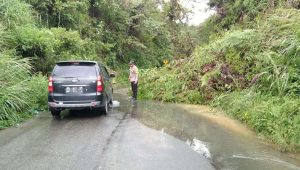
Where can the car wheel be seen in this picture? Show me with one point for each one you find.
(110, 104)
(55, 113)
(105, 108)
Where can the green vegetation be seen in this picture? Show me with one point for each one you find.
(249, 68)
(277, 118)
(21, 94)
(244, 60)
(37, 33)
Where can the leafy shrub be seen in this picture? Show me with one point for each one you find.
(47, 46)
(15, 13)
(122, 77)
(277, 118)
(60, 13)
(19, 93)
(35, 43)
(68, 45)
(170, 87)
(38, 90)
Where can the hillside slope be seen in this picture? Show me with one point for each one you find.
(251, 71)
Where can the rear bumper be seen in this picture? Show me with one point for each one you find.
(61, 105)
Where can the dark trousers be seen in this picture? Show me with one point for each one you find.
(134, 88)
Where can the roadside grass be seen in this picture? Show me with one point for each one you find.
(276, 118)
(21, 94)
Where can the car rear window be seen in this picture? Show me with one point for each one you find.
(75, 71)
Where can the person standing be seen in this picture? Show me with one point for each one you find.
(133, 78)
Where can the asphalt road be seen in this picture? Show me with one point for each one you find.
(84, 140)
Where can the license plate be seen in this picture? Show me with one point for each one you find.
(74, 89)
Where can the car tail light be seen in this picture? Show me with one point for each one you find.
(50, 85)
(99, 84)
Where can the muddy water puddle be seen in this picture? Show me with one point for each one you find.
(227, 143)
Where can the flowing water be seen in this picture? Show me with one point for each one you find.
(227, 143)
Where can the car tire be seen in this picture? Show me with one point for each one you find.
(55, 113)
(110, 104)
(104, 110)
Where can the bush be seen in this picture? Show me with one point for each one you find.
(35, 43)
(15, 13)
(19, 93)
(69, 45)
(47, 46)
(159, 84)
(38, 90)
(277, 118)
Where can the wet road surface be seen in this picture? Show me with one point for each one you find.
(85, 140)
(230, 144)
(149, 135)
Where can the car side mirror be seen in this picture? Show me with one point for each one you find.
(111, 75)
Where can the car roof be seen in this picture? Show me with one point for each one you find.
(77, 61)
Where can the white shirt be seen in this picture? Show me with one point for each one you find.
(133, 76)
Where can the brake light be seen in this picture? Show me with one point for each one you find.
(50, 85)
(99, 84)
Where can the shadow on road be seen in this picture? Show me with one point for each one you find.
(80, 114)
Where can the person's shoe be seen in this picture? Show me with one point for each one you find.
(133, 101)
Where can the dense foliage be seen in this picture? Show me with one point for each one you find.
(242, 12)
(21, 94)
(37, 33)
(117, 30)
(250, 69)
